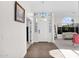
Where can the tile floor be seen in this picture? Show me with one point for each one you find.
(67, 49)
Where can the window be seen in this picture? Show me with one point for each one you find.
(67, 21)
(68, 24)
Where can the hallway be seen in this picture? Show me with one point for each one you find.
(40, 50)
(29, 28)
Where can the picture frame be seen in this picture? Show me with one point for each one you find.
(19, 13)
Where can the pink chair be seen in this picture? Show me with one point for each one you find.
(75, 39)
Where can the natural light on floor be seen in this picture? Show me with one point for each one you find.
(69, 53)
(56, 53)
(67, 49)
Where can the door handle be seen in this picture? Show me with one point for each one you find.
(38, 31)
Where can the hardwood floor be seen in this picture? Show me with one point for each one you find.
(40, 50)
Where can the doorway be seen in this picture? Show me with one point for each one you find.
(29, 32)
(42, 29)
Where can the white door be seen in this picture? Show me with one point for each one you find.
(43, 30)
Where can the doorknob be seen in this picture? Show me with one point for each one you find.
(39, 31)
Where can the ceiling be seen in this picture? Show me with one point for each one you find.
(63, 8)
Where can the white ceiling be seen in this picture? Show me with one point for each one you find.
(57, 7)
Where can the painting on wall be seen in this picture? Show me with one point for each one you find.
(19, 13)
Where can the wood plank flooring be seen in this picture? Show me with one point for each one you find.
(40, 50)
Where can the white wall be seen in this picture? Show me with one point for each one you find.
(12, 34)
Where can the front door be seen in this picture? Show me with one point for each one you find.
(42, 27)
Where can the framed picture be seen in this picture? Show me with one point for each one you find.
(19, 13)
